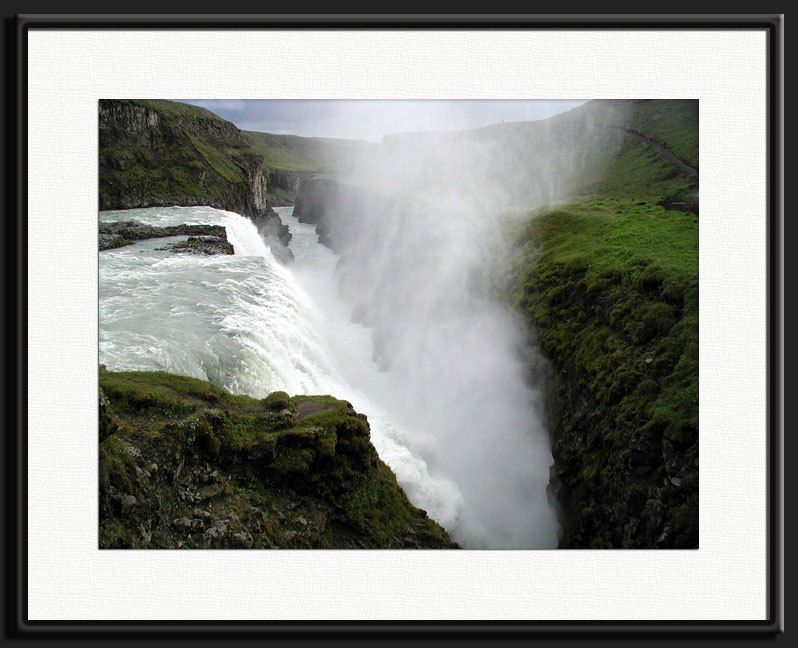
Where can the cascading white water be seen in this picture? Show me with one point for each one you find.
(253, 326)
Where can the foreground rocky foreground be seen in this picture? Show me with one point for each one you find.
(185, 464)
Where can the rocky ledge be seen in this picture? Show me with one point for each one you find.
(204, 245)
(185, 464)
(114, 235)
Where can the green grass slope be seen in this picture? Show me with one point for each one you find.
(310, 154)
(285, 152)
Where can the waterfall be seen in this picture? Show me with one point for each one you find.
(253, 326)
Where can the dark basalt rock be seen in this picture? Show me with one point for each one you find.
(208, 245)
(114, 235)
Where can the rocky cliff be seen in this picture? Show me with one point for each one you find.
(184, 464)
(284, 186)
(609, 284)
(622, 340)
(320, 201)
(159, 153)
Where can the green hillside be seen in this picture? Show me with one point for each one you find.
(312, 154)
(673, 121)
(158, 152)
(284, 152)
(609, 281)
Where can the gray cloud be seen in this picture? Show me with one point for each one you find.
(371, 119)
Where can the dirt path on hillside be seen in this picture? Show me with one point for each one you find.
(304, 409)
(669, 155)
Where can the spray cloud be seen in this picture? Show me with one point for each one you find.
(418, 224)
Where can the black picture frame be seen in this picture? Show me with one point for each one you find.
(16, 622)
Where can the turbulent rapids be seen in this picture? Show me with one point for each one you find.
(253, 326)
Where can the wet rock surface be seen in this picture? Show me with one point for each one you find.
(207, 245)
(121, 233)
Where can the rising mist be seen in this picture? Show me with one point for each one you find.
(418, 223)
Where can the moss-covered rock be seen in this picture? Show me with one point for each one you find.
(184, 464)
(277, 401)
(612, 293)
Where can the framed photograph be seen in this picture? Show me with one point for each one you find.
(406, 324)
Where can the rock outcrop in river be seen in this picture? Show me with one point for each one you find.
(120, 233)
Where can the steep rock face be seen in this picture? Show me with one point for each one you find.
(184, 464)
(335, 208)
(623, 348)
(315, 199)
(625, 476)
(159, 153)
(284, 186)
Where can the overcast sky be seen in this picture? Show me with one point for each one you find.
(371, 119)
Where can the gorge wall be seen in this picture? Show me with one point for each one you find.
(623, 391)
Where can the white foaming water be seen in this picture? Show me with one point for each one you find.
(252, 326)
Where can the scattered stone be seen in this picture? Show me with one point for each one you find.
(676, 481)
(126, 503)
(207, 492)
(182, 522)
(649, 360)
(678, 202)
(202, 515)
(243, 540)
(290, 535)
(302, 521)
(197, 524)
(217, 532)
